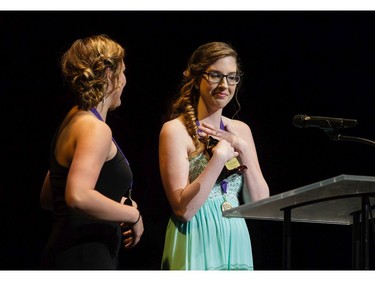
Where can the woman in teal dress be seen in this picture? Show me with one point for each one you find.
(206, 161)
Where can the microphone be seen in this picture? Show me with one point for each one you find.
(325, 123)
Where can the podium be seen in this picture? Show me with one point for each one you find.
(341, 200)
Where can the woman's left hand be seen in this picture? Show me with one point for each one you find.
(228, 134)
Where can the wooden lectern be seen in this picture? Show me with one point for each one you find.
(342, 200)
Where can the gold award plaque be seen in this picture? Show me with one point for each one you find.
(232, 164)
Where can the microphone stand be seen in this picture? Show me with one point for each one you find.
(336, 136)
(365, 215)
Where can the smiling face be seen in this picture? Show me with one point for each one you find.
(216, 95)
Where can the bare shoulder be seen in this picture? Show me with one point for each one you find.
(82, 132)
(84, 125)
(174, 133)
(93, 121)
(173, 127)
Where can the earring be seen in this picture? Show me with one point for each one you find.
(103, 101)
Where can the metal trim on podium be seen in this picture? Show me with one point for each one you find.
(341, 200)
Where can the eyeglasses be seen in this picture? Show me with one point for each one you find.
(217, 77)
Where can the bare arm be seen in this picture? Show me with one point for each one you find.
(83, 146)
(91, 147)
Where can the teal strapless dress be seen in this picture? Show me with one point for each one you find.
(209, 241)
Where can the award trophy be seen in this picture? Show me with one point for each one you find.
(232, 166)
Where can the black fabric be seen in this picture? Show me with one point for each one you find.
(77, 241)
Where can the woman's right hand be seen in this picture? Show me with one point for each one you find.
(224, 150)
(132, 234)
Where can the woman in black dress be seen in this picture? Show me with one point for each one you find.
(88, 173)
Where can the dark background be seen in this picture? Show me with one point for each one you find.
(319, 63)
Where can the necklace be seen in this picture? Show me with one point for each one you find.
(93, 110)
(96, 113)
(224, 183)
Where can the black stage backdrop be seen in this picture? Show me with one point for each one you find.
(319, 63)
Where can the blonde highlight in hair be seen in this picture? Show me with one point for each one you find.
(85, 68)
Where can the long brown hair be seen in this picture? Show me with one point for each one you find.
(187, 102)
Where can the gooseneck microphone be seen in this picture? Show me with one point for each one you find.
(325, 123)
(330, 126)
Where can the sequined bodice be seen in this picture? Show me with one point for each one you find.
(235, 182)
